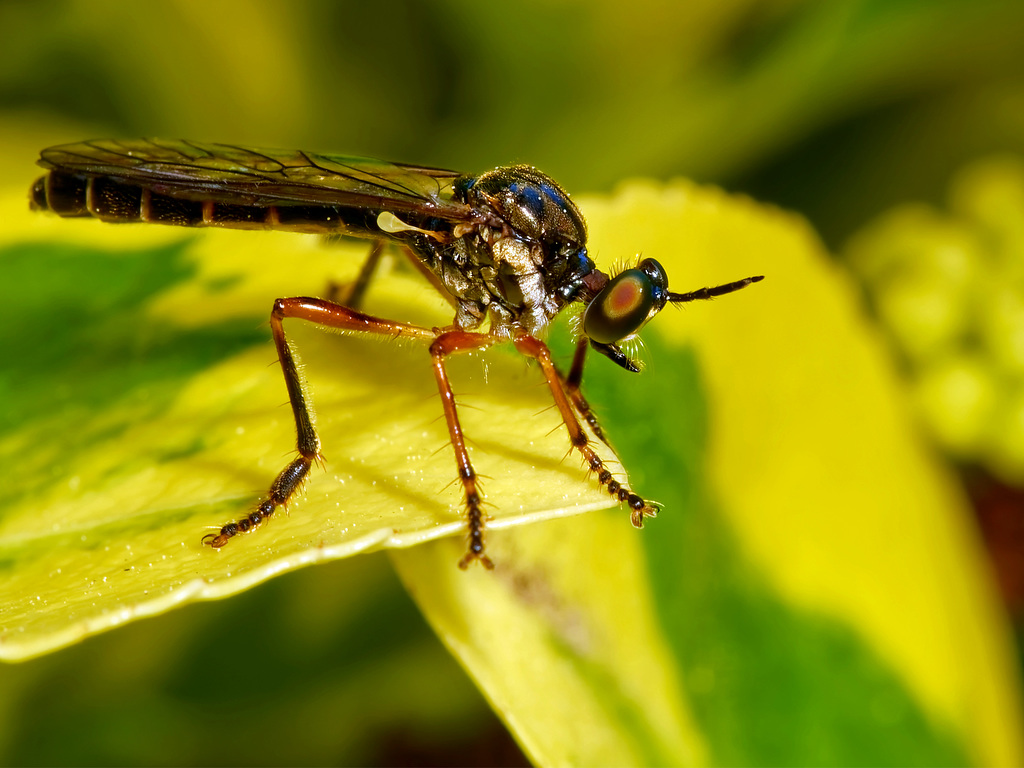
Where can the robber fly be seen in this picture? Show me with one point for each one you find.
(508, 246)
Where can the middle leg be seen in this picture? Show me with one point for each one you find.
(449, 343)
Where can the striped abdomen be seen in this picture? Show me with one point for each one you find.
(110, 200)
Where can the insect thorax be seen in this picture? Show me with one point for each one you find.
(496, 275)
(522, 260)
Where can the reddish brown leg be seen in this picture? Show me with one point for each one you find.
(538, 350)
(572, 387)
(449, 343)
(327, 314)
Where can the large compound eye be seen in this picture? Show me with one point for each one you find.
(626, 303)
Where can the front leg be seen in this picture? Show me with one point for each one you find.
(571, 383)
(538, 350)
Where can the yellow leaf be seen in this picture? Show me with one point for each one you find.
(143, 409)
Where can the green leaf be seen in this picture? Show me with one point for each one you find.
(142, 409)
(811, 593)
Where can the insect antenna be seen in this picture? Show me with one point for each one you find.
(714, 291)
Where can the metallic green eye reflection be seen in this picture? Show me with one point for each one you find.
(629, 300)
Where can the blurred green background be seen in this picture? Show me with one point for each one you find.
(895, 126)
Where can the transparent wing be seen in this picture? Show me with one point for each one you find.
(245, 176)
